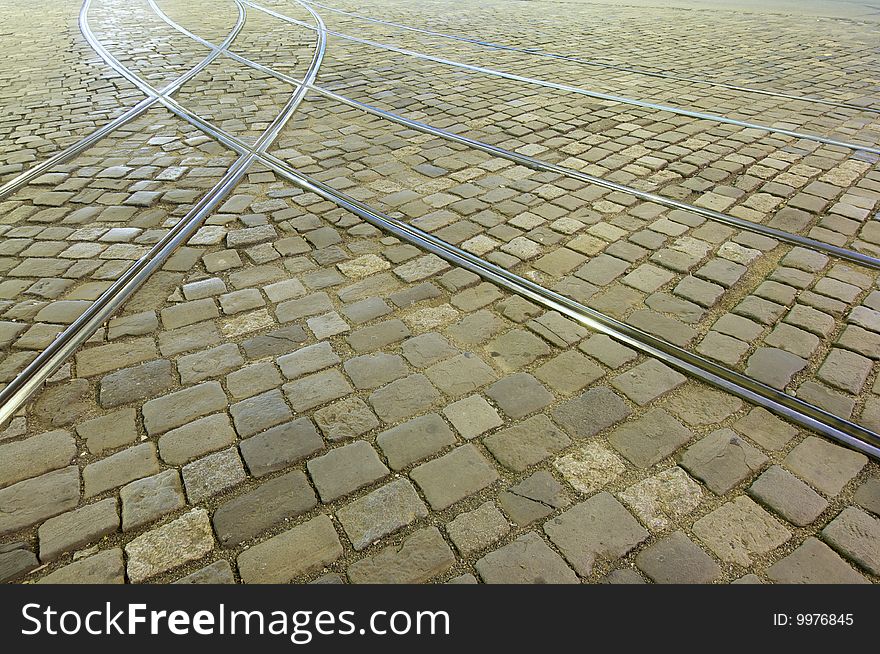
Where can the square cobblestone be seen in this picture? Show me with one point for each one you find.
(599, 528)
(519, 394)
(591, 412)
(454, 476)
(740, 531)
(648, 381)
(722, 460)
(535, 497)
(421, 557)
(346, 469)
(650, 439)
(381, 512)
(788, 496)
(677, 560)
(823, 465)
(813, 563)
(856, 535)
(527, 560)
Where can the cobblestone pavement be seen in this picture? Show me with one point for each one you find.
(298, 396)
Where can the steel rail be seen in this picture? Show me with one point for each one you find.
(664, 74)
(580, 91)
(27, 176)
(736, 383)
(27, 382)
(846, 254)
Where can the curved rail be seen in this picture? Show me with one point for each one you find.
(574, 89)
(25, 177)
(26, 383)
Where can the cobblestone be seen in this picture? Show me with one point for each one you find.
(527, 443)
(187, 538)
(454, 476)
(527, 560)
(146, 500)
(677, 560)
(599, 528)
(345, 469)
(813, 563)
(280, 446)
(856, 535)
(305, 548)
(288, 329)
(825, 466)
(591, 412)
(533, 498)
(414, 440)
(740, 530)
(102, 568)
(788, 496)
(661, 500)
(74, 529)
(255, 511)
(421, 557)
(381, 512)
(722, 460)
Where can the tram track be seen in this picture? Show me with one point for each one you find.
(799, 411)
(26, 383)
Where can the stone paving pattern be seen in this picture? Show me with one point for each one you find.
(298, 397)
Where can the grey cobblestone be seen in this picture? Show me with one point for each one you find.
(722, 460)
(104, 567)
(146, 500)
(454, 476)
(600, 527)
(415, 440)
(381, 512)
(74, 529)
(527, 560)
(856, 535)
(677, 560)
(421, 557)
(813, 563)
(185, 539)
(533, 498)
(740, 530)
(305, 548)
(280, 446)
(33, 500)
(345, 469)
(825, 466)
